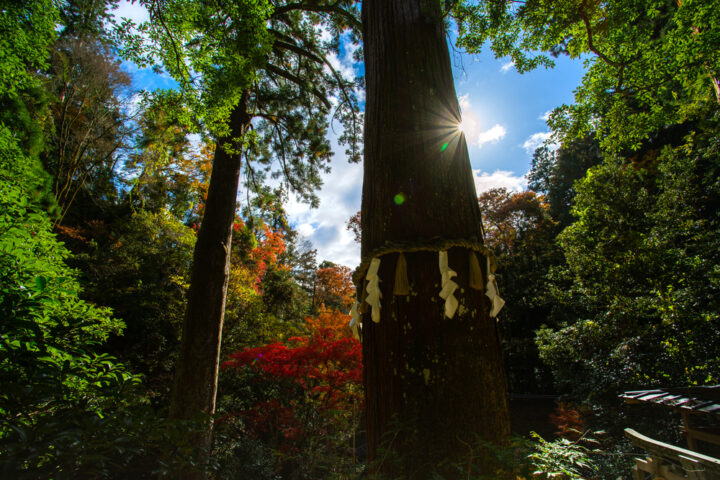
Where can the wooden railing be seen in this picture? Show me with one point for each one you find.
(668, 462)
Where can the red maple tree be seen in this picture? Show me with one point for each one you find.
(318, 377)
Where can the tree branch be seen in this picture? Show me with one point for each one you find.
(297, 81)
(288, 43)
(333, 8)
(280, 44)
(156, 9)
(591, 45)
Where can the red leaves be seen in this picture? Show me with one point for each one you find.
(271, 416)
(569, 421)
(322, 366)
(327, 376)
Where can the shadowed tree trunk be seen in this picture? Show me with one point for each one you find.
(434, 385)
(195, 385)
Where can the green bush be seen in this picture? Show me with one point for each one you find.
(66, 409)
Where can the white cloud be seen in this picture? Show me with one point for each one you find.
(545, 116)
(492, 135)
(464, 101)
(134, 11)
(134, 104)
(345, 65)
(498, 179)
(325, 226)
(534, 141)
(323, 33)
(195, 142)
(507, 66)
(342, 66)
(305, 230)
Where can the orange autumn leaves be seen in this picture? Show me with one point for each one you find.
(254, 252)
(334, 295)
(258, 250)
(270, 245)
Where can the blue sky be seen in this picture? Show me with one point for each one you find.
(503, 119)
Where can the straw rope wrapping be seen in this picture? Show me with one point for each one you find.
(370, 264)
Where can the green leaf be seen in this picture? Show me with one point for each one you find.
(40, 283)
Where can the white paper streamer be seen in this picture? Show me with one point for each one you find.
(491, 290)
(448, 286)
(373, 289)
(355, 320)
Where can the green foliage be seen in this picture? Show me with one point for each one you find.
(554, 173)
(649, 63)
(523, 457)
(164, 172)
(87, 18)
(272, 52)
(27, 29)
(224, 42)
(53, 379)
(26, 33)
(140, 267)
(560, 458)
(641, 276)
(66, 409)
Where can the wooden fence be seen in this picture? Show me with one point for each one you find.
(668, 462)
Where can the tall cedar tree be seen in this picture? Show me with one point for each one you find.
(284, 83)
(196, 372)
(433, 385)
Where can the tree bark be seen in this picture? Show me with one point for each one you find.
(433, 385)
(195, 385)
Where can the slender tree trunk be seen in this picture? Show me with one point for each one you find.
(195, 385)
(434, 386)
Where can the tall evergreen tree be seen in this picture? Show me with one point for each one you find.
(258, 60)
(439, 380)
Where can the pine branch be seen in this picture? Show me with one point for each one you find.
(288, 44)
(332, 8)
(297, 81)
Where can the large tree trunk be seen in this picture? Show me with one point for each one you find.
(434, 386)
(195, 386)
